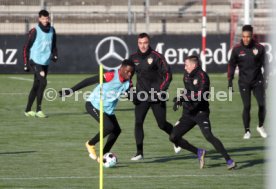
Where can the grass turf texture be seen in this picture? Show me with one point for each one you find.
(50, 153)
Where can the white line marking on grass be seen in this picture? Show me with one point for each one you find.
(132, 176)
(13, 94)
(21, 78)
(24, 79)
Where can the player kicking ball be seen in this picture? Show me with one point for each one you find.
(196, 112)
(115, 83)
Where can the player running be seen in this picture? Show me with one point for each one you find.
(196, 112)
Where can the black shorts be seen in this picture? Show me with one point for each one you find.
(37, 68)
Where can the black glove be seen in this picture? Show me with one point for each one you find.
(230, 85)
(26, 67)
(54, 58)
(178, 101)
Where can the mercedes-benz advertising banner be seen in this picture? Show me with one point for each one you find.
(83, 54)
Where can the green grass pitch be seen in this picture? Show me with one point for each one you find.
(50, 153)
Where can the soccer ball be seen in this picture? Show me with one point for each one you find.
(109, 160)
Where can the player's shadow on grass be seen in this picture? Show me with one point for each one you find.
(121, 165)
(243, 149)
(240, 164)
(124, 109)
(249, 163)
(233, 152)
(238, 152)
(66, 114)
(15, 153)
(212, 154)
(164, 159)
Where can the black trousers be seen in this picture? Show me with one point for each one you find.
(259, 93)
(186, 123)
(39, 85)
(111, 127)
(159, 112)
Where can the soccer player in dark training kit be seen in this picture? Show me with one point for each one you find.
(153, 74)
(39, 50)
(115, 83)
(196, 112)
(249, 56)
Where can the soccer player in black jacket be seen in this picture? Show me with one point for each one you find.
(196, 112)
(249, 56)
(153, 79)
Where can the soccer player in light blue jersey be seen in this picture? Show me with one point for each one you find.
(39, 50)
(116, 82)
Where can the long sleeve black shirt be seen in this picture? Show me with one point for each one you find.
(152, 71)
(197, 86)
(250, 60)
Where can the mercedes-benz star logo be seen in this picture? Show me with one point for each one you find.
(111, 53)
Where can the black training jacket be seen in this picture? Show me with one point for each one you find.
(197, 86)
(152, 71)
(250, 60)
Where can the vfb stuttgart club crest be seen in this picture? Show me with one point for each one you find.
(255, 51)
(150, 60)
